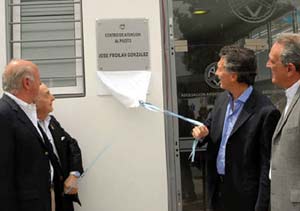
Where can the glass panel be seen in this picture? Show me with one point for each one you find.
(205, 27)
(283, 24)
(263, 81)
(58, 72)
(260, 32)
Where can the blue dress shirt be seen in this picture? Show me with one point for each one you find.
(233, 111)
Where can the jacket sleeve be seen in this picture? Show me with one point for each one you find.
(269, 124)
(209, 119)
(8, 183)
(74, 153)
(207, 124)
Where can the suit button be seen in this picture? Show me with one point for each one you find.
(61, 178)
(46, 153)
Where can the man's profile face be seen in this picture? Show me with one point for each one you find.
(44, 102)
(279, 70)
(225, 76)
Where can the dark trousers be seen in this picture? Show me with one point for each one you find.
(219, 195)
(225, 201)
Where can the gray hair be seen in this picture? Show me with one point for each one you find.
(12, 79)
(291, 50)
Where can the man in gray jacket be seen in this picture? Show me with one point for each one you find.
(284, 62)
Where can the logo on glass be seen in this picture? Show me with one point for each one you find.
(210, 76)
(253, 11)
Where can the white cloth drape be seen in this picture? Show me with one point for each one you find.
(128, 87)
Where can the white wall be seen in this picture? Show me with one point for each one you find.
(2, 39)
(131, 173)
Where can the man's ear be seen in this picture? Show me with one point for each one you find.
(291, 67)
(234, 76)
(26, 82)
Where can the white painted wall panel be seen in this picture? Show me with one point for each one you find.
(2, 39)
(131, 174)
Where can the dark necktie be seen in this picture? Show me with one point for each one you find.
(53, 158)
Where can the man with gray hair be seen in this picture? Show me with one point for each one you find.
(284, 62)
(65, 148)
(24, 157)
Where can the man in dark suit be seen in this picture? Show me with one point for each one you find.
(24, 160)
(65, 148)
(284, 62)
(238, 131)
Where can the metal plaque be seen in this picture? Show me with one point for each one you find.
(122, 44)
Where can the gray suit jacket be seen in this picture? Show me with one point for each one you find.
(285, 181)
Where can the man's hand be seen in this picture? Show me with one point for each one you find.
(200, 132)
(71, 185)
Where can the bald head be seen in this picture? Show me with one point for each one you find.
(21, 78)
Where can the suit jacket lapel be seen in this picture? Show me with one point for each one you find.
(246, 112)
(221, 118)
(283, 117)
(56, 137)
(27, 123)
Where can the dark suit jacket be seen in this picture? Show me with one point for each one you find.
(247, 159)
(70, 160)
(24, 164)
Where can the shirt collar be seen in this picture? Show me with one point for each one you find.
(244, 96)
(291, 91)
(46, 121)
(20, 102)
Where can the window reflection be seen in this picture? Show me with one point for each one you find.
(282, 24)
(197, 87)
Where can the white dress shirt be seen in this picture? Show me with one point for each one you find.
(45, 126)
(29, 110)
(290, 93)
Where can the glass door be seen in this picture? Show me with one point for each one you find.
(201, 29)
